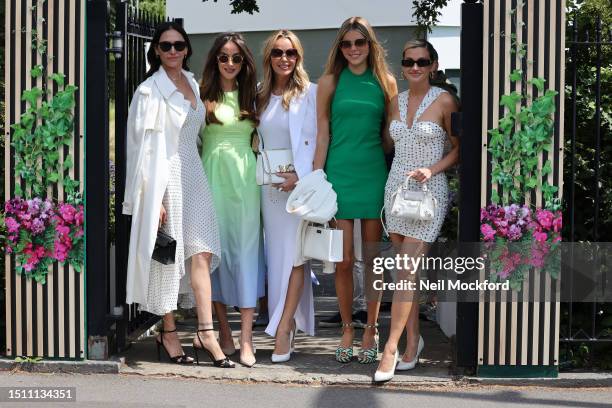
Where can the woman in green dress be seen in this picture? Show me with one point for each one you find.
(228, 91)
(354, 100)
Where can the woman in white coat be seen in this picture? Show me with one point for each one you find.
(286, 105)
(166, 188)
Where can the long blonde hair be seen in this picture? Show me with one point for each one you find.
(376, 58)
(299, 78)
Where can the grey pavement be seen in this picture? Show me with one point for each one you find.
(103, 390)
(312, 363)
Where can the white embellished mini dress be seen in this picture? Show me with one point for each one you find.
(191, 221)
(420, 145)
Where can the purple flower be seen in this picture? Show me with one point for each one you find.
(11, 225)
(38, 226)
(514, 233)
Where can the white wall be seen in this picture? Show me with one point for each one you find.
(210, 17)
(446, 40)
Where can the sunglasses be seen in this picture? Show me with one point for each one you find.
(236, 59)
(421, 62)
(166, 46)
(291, 53)
(360, 42)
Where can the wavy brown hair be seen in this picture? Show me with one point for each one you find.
(210, 87)
(299, 78)
(376, 58)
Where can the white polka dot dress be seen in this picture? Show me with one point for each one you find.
(191, 221)
(421, 145)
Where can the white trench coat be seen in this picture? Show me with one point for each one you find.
(156, 116)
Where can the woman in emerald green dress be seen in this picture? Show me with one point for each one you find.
(228, 91)
(354, 101)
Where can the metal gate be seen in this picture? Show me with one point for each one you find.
(586, 328)
(119, 34)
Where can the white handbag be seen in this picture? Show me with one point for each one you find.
(313, 198)
(270, 162)
(323, 243)
(413, 205)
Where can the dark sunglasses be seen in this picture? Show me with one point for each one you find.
(166, 46)
(421, 62)
(360, 42)
(236, 59)
(291, 53)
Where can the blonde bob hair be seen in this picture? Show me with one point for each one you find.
(376, 58)
(299, 78)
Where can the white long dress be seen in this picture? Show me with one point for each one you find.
(420, 145)
(280, 229)
(191, 221)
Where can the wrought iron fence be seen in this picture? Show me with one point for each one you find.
(586, 328)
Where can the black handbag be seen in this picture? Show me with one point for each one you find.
(165, 248)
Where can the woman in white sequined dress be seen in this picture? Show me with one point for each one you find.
(419, 129)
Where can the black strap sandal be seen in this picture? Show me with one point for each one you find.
(222, 363)
(182, 359)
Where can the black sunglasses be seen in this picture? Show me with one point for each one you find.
(291, 53)
(236, 59)
(360, 42)
(421, 62)
(166, 46)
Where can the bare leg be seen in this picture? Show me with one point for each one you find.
(247, 355)
(225, 331)
(405, 304)
(200, 282)
(170, 340)
(412, 331)
(286, 324)
(344, 282)
(371, 230)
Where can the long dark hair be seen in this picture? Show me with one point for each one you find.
(210, 88)
(152, 57)
(438, 78)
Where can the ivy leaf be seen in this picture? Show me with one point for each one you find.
(53, 177)
(547, 169)
(538, 82)
(58, 79)
(531, 182)
(516, 75)
(31, 96)
(36, 71)
(68, 163)
(494, 197)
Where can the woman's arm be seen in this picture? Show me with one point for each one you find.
(448, 106)
(392, 113)
(325, 90)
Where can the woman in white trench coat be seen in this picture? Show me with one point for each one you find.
(286, 105)
(166, 188)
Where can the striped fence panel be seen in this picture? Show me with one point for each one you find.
(44, 320)
(517, 336)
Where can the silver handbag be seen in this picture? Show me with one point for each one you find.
(413, 205)
(270, 162)
(323, 243)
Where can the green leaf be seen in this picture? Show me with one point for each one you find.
(538, 82)
(58, 78)
(68, 163)
(547, 169)
(53, 177)
(531, 182)
(516, 75)
(494, 197)
(36, 71)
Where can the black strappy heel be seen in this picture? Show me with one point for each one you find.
(222, 363)
(182, 359)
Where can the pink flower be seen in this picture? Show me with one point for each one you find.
(545, 218)
(540, 236)
(488, 232)
(11, 225)
(557, 223)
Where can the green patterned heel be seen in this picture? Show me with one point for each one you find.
(370, 355)
(344, 354)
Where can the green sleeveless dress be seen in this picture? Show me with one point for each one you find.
(355, 164)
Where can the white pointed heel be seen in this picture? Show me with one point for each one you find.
(409, 365)
(281, 358)
(384, 376)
